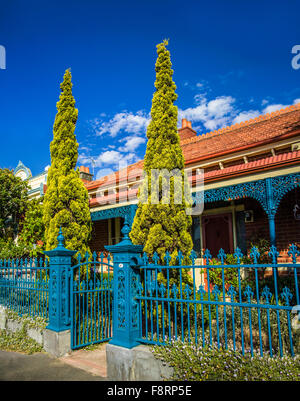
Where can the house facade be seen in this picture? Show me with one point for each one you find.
(251, 186)
(251, 193)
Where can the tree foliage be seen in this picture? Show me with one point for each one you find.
(32, 229)
(163, 227)
(13, 199)
(10, 249)
(66, 200)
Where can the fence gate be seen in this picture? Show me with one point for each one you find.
(91, 299)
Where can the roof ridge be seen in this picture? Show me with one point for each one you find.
(262, 117)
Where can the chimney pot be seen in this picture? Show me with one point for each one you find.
(186, 131)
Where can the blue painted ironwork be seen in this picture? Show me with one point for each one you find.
(268, 192)
(127, 211)
(91, 300)
(126, 258)
(24, 286)
(59, 294)
(246, 305)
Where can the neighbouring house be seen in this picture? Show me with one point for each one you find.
(251, 185)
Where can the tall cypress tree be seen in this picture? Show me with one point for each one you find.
(163, 227)
(66, 202)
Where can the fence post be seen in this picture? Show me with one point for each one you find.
(57, 333)
(126, 259)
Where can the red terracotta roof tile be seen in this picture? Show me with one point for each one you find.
(265, 128)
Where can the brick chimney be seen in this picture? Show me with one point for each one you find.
(84, 174)
(186, 131)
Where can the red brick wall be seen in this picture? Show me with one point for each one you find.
(186, 132)
(260, 226)
(99, 236)
(287, 228)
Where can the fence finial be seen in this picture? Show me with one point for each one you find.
(126, 229)
(61, 239)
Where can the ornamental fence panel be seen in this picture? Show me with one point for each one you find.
(91, 299)
(240, 303)
(24, 286)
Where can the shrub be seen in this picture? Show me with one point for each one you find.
(11, 250)
(230, 274)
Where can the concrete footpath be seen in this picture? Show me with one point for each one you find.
(78, 366)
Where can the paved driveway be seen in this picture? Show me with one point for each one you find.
(37, 367)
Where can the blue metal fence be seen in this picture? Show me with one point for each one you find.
(24, 286)
(91, 301)
(245, 302)
(242, 303)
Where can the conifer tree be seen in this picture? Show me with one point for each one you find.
(163, 227)
(66, 200)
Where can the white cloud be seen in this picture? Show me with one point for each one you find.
(122, 122)
(131, 143)
(273, 107)
(212, 114)
(222, 111)
(203, 85)
(84, 148)
(112, 158)
(245, 115)
(112, 155)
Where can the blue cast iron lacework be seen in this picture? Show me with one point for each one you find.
(247, 305)
(121, 299)
(268, 192)
(135, 279)
(127, 211)
(24, 286)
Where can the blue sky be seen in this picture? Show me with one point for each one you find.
(231, 61)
